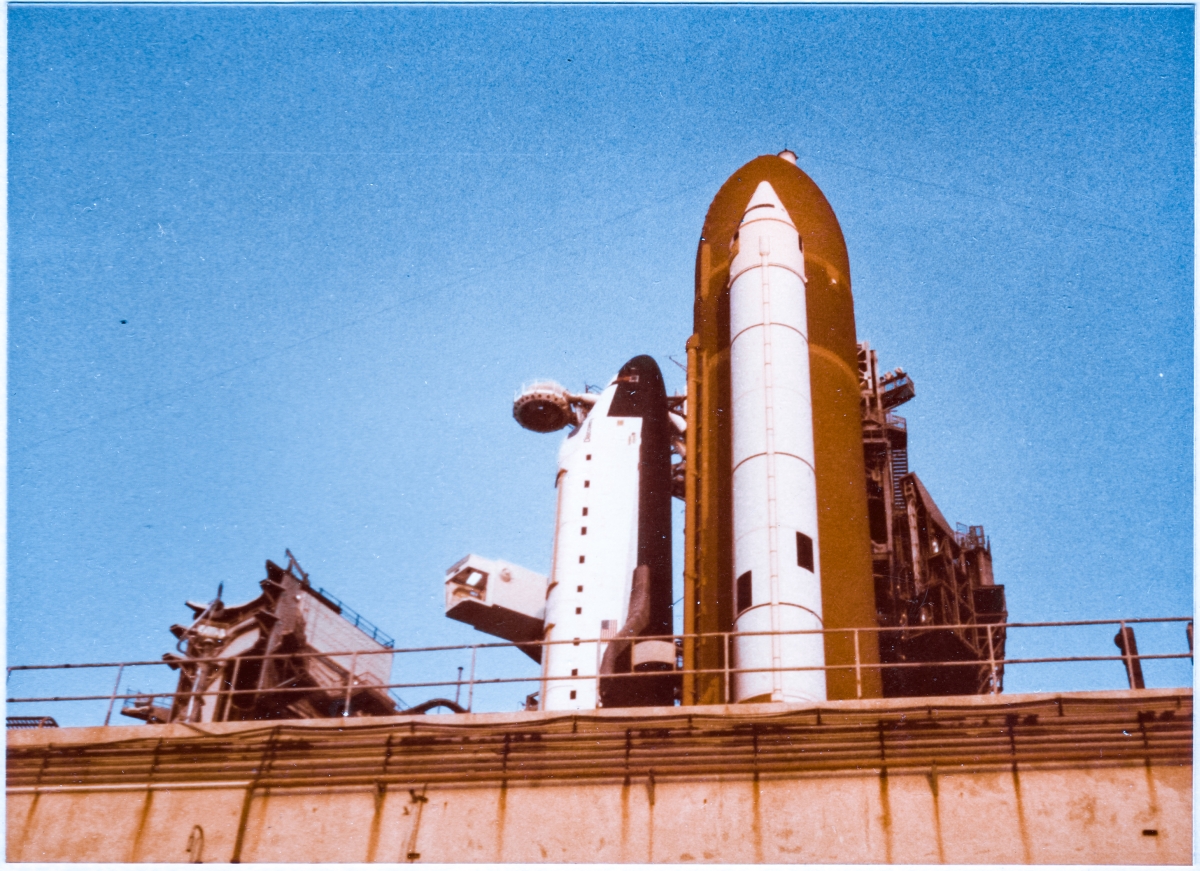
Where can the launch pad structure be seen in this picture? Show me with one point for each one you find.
(835, 695)
(816, 564)
(1091, 778)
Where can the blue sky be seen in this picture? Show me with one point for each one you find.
(276, 272)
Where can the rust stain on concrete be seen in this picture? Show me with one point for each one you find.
(756, 820)
(501, 813)
(376, 820)
(650, 818)
(1151, 790)
(145, 812)
(29, 814)
(625, 821)
(141, 826)
(885, 816)
(937, 813)
(1026, 852)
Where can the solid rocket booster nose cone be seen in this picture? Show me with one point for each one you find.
(764, 195)
(765, 203)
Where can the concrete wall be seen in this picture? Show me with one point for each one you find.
(1059, 807)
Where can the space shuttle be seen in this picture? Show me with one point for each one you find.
(604, 615)
(602, 628)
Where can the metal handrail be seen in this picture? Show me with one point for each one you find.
(858, 666)
(358, 620)
(577, 641)
(548, 678)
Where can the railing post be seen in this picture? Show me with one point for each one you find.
(728, 689)
(857, 668)
(471, 682)
(1127, 644)
(350, 683)
(992, 660)
(600, 662)
(113, 698)
(1122, 641)
(458, 685)
(237, 663)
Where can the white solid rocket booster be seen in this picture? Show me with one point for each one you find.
(777, 585)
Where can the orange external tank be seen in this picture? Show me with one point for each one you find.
(847, 587)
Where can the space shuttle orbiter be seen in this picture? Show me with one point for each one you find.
(606, 611)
